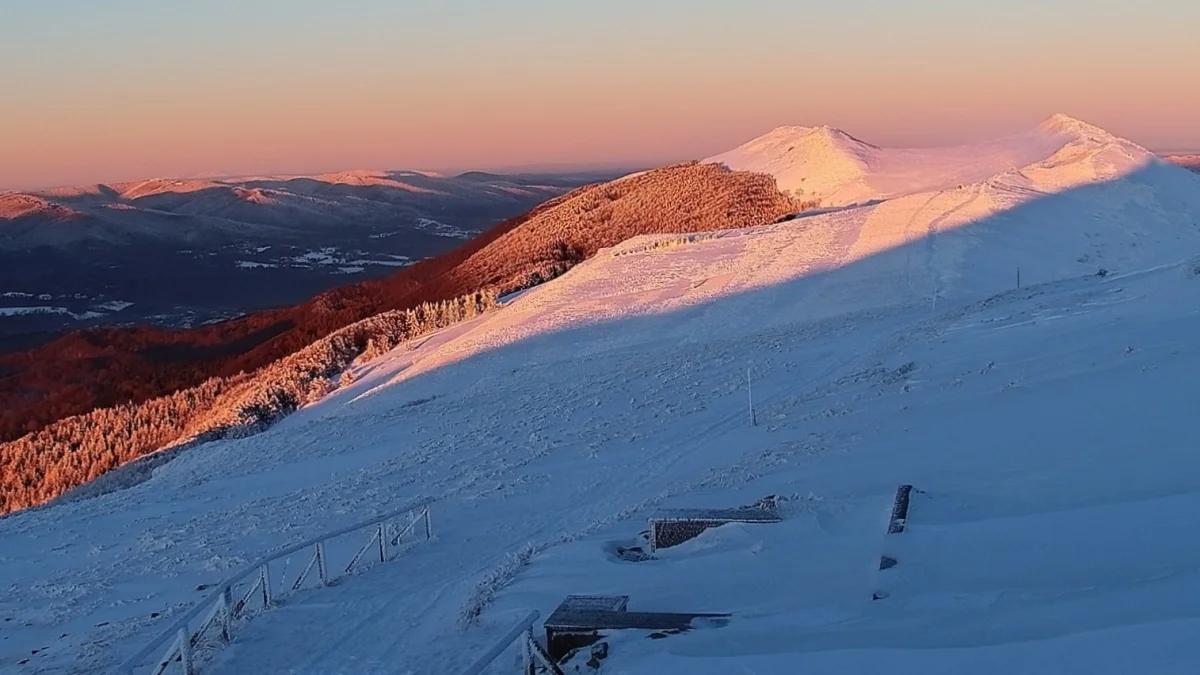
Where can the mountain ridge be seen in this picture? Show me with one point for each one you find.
(1187, 161)
(219, 248)
(832, 166)
(46, 393)
(169, 209)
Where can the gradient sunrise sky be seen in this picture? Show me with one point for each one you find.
(108, 90)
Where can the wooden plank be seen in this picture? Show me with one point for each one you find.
(900, 509)
(743, 515)
(611, 603)
(671, 527)
(588, 620)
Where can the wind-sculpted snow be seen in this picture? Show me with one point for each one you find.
(1047, 427)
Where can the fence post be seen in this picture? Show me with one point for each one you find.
(223, 607)
(227, 613)
(322, 572)
(527, 652)
(185, 650)
(265, 573)
(382, 543)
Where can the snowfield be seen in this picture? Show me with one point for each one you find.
(1048, 427)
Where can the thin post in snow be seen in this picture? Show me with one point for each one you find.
(322, 571)
(265, 573)
(750, 395)
(227, 613)
(1018, 276)
(527, 653)
(185, 651)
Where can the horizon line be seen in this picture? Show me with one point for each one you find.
(543, 168)
(533, 168)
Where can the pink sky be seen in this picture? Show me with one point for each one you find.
(95, 99)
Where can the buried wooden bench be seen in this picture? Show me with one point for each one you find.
(671, 527)
(577, 619)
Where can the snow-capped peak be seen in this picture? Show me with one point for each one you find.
(796, 139)
(1065, 124)
(830, 165)
(809, 162)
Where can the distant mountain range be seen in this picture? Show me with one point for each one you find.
(1186, 161)
(240, 373)
(274, 208)
(178, 252)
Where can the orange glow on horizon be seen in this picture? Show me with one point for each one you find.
(669, 87)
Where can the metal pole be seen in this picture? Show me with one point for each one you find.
(428, 525)
(321, 569)
(382, 544)
(266, 585)
(750, 394)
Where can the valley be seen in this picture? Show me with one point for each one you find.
(183, 253)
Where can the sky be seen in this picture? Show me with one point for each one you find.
(110, 90)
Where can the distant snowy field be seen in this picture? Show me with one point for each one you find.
(1050, 428)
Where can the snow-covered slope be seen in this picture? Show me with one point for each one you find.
(830, 165)
(1048, 425)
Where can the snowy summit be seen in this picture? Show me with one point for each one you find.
(829, 165)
